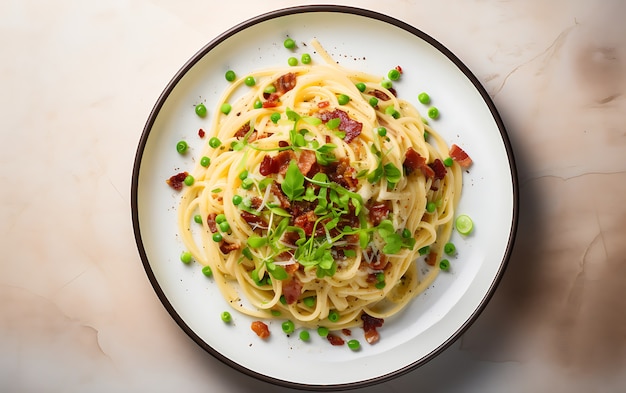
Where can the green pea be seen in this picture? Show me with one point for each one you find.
(288, 326)
(380, 277)
(226, 108)
(292, 61)
(220, 218)
(322, 331)
(243, 174)
(201, 110)
(354, 344)
(390, 110)
(361, 86)
(386, 83)
(333, 315)
(394, 74)
(197, 219)
(343, 99)
(305, 58)
(250, 81)
(431, 207)
(444, 265)
(217, 237)
(224, 226)
(189, 180)
(237, 199)
(424, 98)
(258, 104)
(185, 257)
(270, 89)
(305, 335)
(448, 162)
(424, 250)
(380, 285)
(433, 112)
(289, 43)
(373, 101)
(207, 271)
(382, 131)
(230, 75)
(309, 301)
(205, 161)
(406, 233)
(226, 317)
(274, 117)
(214, 142)
(247, 183)
(181, 147)
(449, 248)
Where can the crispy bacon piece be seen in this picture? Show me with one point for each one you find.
(306, 161)
(292, 289)
(286, 82)
(459, 155)
(414, 161)
(306, 221)
(268, 166)
(254, 221)
(379, 94)
(323, 104)
(260, 329)
(210, 221)
(282, 198)
(379, 212)
(351, 127)
(342, 173)
(381, 262)
(272, 101)
(370, 324)
(201, 133)
(333, 339)
(177, 181)
(226, 247)
(283, 158)
(242, 131)
(438, 168)
(346, 332)
(431, 258)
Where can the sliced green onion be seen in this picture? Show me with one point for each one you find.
(256, 241)
(464, 224)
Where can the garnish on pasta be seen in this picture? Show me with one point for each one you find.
(315, 194)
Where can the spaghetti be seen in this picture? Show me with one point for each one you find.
(321, 189)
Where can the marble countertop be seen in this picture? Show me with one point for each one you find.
(79, 79)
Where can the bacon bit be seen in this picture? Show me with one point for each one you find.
(210, 221)
(268, 166)
(177, 181)
(428, 172)
(399, 69)
(255, 202)
(260, 329)
(346, 332)
(292, 290)
(431, 258)
(306, 221)
(226, 247)
(369, 327)
(379, 94)
(292, 268)
(201, 133)
(282, 198)
(342, 173)
(283, 158)
(253, 221)
(286, 82)
(333, 339)
(323, 104)
(272, 101)
(412, 161)
(459, 155)
(306, 161)
(242, 131)
(351, 127)
(438, 168)
(380, 263)
(379, 212)
(283, 143)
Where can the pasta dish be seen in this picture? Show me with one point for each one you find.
(316, 194)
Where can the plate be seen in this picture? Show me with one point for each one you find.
(363, 40)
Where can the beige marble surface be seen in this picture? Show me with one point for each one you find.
(79, 78)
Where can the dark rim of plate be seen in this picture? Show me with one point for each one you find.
(312, 9)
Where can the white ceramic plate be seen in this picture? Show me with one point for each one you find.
(362, 40)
